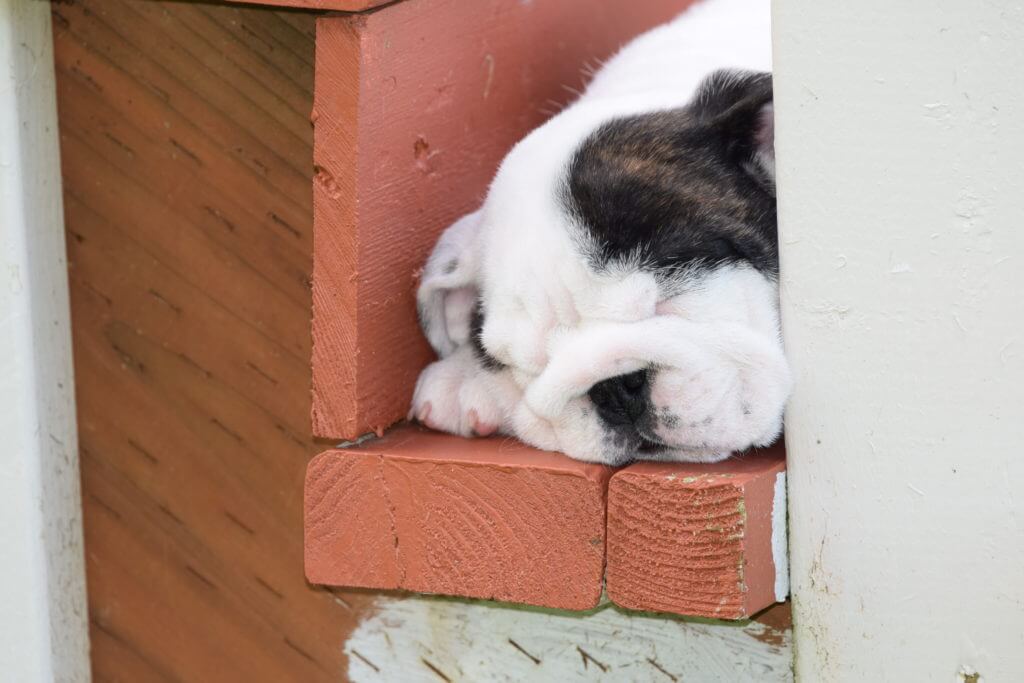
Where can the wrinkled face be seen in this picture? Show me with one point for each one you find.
(615, 299)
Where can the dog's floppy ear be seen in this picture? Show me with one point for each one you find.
(448, 292)
(737, 105)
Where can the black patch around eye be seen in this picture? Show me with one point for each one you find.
(476, 328)
(675, 189)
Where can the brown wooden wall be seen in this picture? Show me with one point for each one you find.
(187, 162)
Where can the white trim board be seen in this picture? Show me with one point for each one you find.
(43, 614)
(899, 143)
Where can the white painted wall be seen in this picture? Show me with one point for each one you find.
(43, 616)
(900, 143)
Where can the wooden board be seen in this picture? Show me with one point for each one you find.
(415, 105)
(480, 518)
(699, 540)
(491, 518)
(470, 640)
(186, 161)
(320, 5)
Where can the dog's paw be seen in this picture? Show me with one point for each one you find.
(457, 396)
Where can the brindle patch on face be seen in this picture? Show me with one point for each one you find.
(681, 189)
(476, 329)
(628, 447)
(667, 418)
(702, 423)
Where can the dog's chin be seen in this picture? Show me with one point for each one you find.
(649, 447)
(669, 453)
(652, 447)
(645, 449)
(625, 449)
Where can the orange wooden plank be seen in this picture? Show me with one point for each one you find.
(414, 106)
(483, 518)
(186, 164)
(697, 539)
(321, 5)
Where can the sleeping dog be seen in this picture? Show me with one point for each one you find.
(616, 296)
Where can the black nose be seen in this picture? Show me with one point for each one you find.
(621, 400)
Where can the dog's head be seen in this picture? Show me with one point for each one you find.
(622, 273)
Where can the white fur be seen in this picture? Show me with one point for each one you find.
(448, 291)
(721, 378)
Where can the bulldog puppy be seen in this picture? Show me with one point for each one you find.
(616, 296)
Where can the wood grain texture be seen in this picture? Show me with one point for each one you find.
(415, 105)
(320, 5)
(482, 518)
(186, 162)
(694, 539)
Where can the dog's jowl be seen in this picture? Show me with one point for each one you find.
(616, 295)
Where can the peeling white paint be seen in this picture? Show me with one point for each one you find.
(480, 641)
(967, 674)
(780, 551)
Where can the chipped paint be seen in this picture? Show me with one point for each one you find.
(967, 674)
(433, 639)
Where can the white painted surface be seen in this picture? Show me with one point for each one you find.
(780, 553)
(477, 641)
(43, 616)
(900, 151)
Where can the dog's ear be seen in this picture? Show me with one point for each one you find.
(448, 292)
(737, 105)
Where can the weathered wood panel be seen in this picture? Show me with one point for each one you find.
(186, 159)
(422, 640)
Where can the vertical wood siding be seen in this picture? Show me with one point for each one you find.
(186, 148)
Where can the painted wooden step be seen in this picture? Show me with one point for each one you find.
(491, 518)
(701, 540)
(481, 518)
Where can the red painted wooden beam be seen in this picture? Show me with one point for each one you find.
(320, 5)
(698, 539)
(482, 518)
(414, 106)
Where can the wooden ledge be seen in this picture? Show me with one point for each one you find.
(321, 5)
(491, 518)
(433, 513)
(699, 540)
